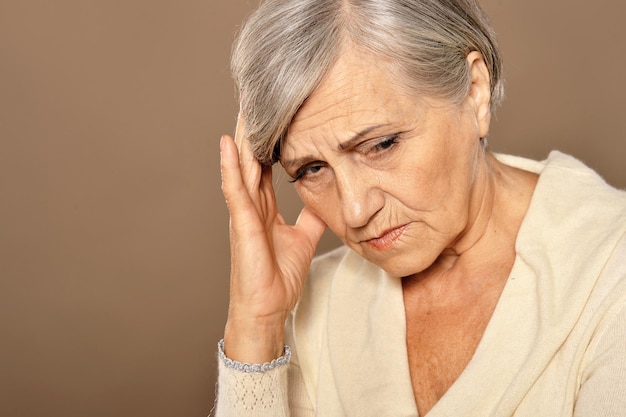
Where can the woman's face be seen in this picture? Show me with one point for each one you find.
(393, 176)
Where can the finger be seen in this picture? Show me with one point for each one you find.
(250, 166)
(237, 198)
(239, 130)
(311, 225)
(267, 197)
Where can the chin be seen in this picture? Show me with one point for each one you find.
(402, 260)
(399, 266)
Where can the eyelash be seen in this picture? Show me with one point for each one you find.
(302, 171)
(384, 145)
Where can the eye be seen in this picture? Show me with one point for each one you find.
(384, 144)
(306, 171)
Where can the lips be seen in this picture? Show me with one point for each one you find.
(387, 240)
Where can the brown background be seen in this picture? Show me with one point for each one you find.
(113, 233)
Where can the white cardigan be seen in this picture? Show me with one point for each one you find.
(554, 347)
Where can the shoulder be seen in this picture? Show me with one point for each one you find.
(573, 239)
(573, 210)
(603, 367)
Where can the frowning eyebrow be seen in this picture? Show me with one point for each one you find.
(341, 147)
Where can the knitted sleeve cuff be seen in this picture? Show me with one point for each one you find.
(253, 368)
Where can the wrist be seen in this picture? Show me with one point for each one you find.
(254, 340)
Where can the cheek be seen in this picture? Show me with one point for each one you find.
(434, 190)
(323, 203)
(413, 184)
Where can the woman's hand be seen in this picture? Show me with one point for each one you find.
(269, 258)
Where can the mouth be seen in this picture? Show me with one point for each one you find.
(387, 239)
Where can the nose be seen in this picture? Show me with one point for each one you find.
(359, 197)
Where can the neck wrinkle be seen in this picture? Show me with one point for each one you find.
(480, 222)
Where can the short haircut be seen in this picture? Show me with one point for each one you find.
(286, 47)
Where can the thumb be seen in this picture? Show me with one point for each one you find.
(311, 225)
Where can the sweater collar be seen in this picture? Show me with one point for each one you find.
(544, 296)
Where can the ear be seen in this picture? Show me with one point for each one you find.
(479, 93)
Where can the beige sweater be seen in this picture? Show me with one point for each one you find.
(554, 347)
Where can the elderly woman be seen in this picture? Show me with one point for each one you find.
(469, 284)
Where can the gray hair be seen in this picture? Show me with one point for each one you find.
(286, 47)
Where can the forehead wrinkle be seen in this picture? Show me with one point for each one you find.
(345, 81)
(352, 98)
(345, 115)
(320, 107)
(310, 145)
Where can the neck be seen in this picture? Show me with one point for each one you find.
(499, 202)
